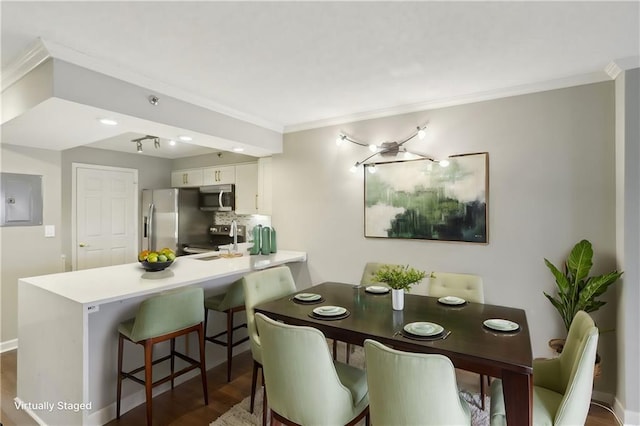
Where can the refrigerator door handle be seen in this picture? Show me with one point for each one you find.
(150, 227)
(144, 226)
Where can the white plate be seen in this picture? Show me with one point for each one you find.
(501, 324)
(329, 311)
(307, 297)
(452, 300)
(423, 328)
(377, 289)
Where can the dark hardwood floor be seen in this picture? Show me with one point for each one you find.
(184, 405)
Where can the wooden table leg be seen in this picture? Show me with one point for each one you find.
(518, 398)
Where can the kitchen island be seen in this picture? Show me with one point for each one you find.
(67, 332)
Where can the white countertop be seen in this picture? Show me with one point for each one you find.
(111, 283)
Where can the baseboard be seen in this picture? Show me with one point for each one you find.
(628, 417)
(8, 345)
(604, 397)
(29, 411)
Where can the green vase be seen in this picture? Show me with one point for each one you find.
(265, 242)
(257, 236)
(274, 246)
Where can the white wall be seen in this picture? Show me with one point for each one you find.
(628, 242)
(552, 183)
(25, 251)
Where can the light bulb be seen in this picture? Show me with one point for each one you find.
(139, 146)
(444, 163)
(421, 133)
(373, 148)
(108, 122)
(238, 149)
(372, 169)
(354, 168)
(185, 138)
(172, 142)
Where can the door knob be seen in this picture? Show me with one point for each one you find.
(83, 245)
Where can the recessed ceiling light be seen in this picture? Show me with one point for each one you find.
(185, 138)
(108, 121)
(172, 142)
(238, 149)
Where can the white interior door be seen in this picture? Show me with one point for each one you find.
(105, 207)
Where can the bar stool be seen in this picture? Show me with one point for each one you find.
(160, 318)
(229, 303)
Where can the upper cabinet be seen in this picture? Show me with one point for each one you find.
(186, 178)
(247, 188)
(264, 185)
(220, 175)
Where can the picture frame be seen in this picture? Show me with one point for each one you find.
(427, 199)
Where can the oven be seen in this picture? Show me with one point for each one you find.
(217, 235)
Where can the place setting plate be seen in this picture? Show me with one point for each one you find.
(377, 289)
(307, 298)
(502, 325)
(329, 313)
(424, 331)
(452, 301)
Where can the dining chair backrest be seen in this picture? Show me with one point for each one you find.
(168, 312)
(575, 378)
(466, 286)
(263, 286)
(398, 394)
(370, 270)
(301, 380)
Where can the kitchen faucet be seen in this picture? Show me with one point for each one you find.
(234, 233)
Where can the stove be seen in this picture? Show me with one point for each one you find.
(217, 235)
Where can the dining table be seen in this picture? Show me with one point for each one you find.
(483, 338)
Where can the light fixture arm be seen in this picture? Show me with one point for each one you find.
(138, 141)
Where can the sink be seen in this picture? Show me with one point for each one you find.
(213, 257)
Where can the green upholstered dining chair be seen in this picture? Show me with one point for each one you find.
(228, 303)
(466, 286)
(160, 318)
(259, 287)
(412, 389)
(562, 386)
(304, 385)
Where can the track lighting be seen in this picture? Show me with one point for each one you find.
(138, 142)
(388, 149)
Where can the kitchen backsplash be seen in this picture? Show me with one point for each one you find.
(249, 221)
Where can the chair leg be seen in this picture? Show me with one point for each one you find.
(148, 376)
(254, 379)
(173, 360)
(265, 406)
(119, 390)
(229, 342)
(483, 391)
(203, 363)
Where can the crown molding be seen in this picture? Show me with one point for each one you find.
(44, 49)
(36, 54)
(617, 66)
(577, 80)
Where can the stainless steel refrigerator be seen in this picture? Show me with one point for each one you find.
(172, 218)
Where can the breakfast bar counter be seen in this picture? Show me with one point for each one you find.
(67, 331)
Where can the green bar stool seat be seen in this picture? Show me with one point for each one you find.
(228, 303)
(161, 318)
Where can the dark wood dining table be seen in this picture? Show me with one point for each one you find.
(471, 345)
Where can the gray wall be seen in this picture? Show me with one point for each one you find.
(25, 251)
(153, 172)
(552, 183)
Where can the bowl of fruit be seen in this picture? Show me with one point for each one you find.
(154, 261)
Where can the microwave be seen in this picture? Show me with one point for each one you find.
(219, 198)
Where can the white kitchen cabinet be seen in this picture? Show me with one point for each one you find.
(186, 178)
(264, 186)
(247, 188)
(220, 175)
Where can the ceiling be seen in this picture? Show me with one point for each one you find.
(294, 65)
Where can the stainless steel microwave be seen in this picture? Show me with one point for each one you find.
(221, 198)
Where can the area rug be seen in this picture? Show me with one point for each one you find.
(239, 414)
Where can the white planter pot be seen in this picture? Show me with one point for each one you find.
(397, 299)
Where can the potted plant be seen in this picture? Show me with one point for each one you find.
(576, 289)
(400, 279)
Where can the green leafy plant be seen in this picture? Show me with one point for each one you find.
(576, 290)
(399, 277)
